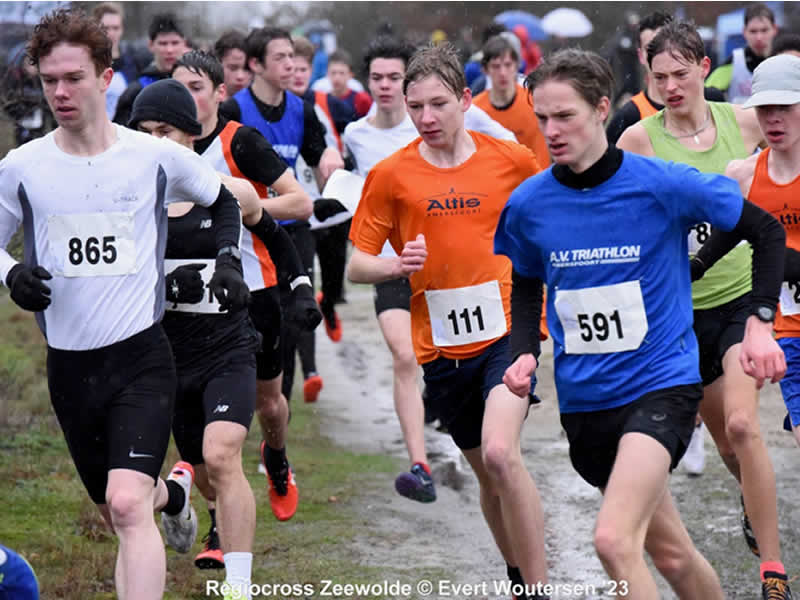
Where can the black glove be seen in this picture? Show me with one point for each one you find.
(303, 310)
(26, 286)
(185, 285)
(325, 208)
(227, 284)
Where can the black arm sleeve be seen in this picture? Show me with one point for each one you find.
(313, 136)
(230, 110)
(281, 248)
(768, 240)
(255, 156)
(125, 103)
(227, 219)
(526, 314)
(791, 267)
(622, 119)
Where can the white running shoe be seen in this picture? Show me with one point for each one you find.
(261, 468)
(181, 529)
(694, 461)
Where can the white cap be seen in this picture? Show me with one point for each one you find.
(776, 81)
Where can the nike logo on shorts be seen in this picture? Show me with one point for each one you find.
(133, 454)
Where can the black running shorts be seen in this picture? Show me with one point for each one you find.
(717, 329)
(224, 391)
(114, 405)
(265, 312)
(395, 293)
(666, 415)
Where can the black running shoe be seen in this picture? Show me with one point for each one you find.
(211, 556)
(775, 587)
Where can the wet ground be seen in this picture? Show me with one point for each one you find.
(357, 411)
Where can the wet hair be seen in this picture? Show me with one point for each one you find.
(680, 39)
(497, 47)
(586, 72)
(385, 46)
(107, 8)
(202, 63)
(342, 57)
(230, 40)
(164, 23)
(654, 21)
(785, 42)
(440, 60)
(258, 39)
(756, 10)
(303, 48)
(70, 26)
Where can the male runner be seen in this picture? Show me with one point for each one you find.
(99, 244)
(167, 43)
(293, 129)
(242, 151)
(626, 359)
(506, 101)
(648, 101)
(437, 201)
(231, 52)
(707, 136)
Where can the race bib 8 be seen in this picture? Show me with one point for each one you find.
(790, 298)
(601, 320)
(93, 244)
(209, 302)
(465, 315)
(698, 235)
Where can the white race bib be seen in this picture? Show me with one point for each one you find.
(698, 234)
(790, 298)
(209, 302)
(604, 319)
(93, 244)
(465, 315)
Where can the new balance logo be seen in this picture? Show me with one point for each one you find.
(205, 224)
(221, 408)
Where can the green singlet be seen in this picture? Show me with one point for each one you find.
(730, 278)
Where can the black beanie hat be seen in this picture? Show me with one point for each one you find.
(167, 101)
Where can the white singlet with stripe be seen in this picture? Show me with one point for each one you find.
(99, 225)
(253, 266)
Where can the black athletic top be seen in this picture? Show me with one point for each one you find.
(313, 131)
(201, 339)
(251, 151)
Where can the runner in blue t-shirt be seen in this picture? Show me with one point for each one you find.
(620, 314)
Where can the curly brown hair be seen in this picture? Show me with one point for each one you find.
(70, 26)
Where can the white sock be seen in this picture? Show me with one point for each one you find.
(238, 568)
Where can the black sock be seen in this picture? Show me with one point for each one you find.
(176, 498)
(514, 574)
(274, 460)
(212, 512)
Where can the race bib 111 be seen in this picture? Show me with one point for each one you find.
(465, 315)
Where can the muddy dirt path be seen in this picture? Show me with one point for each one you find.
(356, 411)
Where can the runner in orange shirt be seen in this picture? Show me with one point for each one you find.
(506, 102)
(438, 201)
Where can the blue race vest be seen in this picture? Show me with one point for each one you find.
(146, 80)
(286, 135)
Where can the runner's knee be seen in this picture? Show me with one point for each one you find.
(614, 547)
(741, 427)
(128, 507)
(498, 459)
(673, 562)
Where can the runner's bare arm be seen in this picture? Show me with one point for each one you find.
(366, 268)
(292, 201)
(748, 125)
(328, 163)
(635, 139)
(246, 194)
(742, 171)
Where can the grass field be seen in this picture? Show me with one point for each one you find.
(48, 517)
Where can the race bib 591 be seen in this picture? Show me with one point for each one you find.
(603, 319)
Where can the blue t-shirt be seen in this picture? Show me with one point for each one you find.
(614, 261)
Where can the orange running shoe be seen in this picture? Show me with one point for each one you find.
(333, 326)
(282, 489)
(211, 556)
(311, 388)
